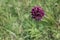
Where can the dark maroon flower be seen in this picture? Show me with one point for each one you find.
(37, 13)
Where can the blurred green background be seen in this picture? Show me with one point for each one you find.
(16, 22)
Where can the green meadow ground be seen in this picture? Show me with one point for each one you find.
(16, 22)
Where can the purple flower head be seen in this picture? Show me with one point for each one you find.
(37, 13)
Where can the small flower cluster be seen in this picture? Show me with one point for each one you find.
(37, 13)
